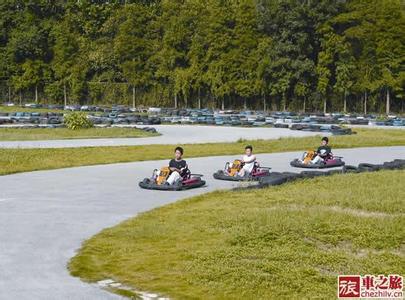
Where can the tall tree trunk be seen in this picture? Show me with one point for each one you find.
(365, 102)
(9, 93)
(284, 102)
(274, 105)
(133, 97)
(199, 99)
(324, 105)
(387, 107)
(264, 103)
(345, 102)
(36, 93)
(244, 104)
(185, 100)
(20, 96)
(64, 94)
(175, 100)
(305, 104)
(222, 104)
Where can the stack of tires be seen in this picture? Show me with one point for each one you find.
(278, 178)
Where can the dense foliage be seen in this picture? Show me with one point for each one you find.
(77, 120)
(281, 54)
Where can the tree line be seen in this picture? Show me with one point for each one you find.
(325, 55)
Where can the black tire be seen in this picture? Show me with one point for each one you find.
(400, 163)
(272, 180)
(312, 174)
(277, 178)
(282, 125)
(342, 131)
(334, 172)
(297, 126)
(350, 169)
(295, 163)
(291, 176)
(390, 165)
(394, 165)
(365, 167)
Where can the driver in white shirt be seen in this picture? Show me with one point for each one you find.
(249, 160)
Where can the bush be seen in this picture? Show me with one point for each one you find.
(77, 120)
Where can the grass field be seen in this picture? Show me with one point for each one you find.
(8, 109)
(22, 160)
(287, 242)
(22, 134)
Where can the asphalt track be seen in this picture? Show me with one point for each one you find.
(171, 134)
(46, 215)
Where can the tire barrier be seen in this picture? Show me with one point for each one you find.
(273, 179)
(312, 174)
(365, 167)
(399, 161)
(333, 129)
(350, 169)
(149, 129)
(334, 172)
(342, 131)
(280, 125)
(278, 178)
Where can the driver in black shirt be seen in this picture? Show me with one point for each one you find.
(323, 151)
(178, 166)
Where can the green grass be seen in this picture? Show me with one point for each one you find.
(23, 134)
(287, 242)
(23, 160)
(11, 109)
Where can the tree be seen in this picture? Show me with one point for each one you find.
(134, 45)
(374, 31)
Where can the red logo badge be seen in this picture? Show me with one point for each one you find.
(349, 286)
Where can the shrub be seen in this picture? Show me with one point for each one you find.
(77, 120)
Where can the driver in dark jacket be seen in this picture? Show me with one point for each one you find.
(323, 151)
(177, 166)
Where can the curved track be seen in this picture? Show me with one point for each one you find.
(46, 215)
(171, 134)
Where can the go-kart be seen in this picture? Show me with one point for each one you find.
(330, 161)
(231, 172)
(158, 181)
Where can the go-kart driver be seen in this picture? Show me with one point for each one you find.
(249, 160)
(177, 166)
(323, 151)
